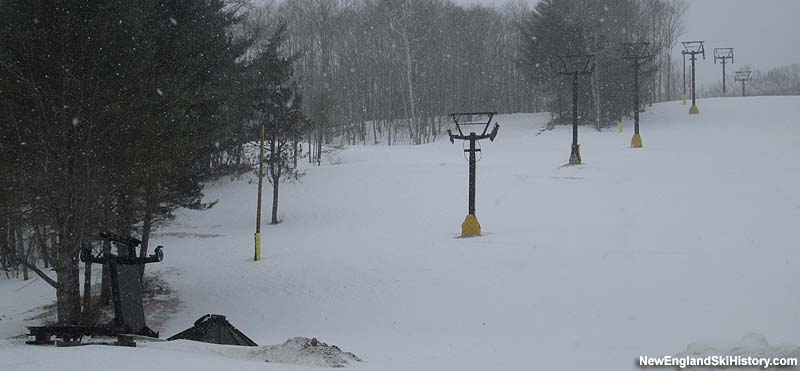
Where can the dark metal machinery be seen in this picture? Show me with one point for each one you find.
(126, 284)
(215, 329)
(635, 53)
(743, 77)
(723, 55)
(471, 227)
(575, 65)
(125, 271)
(692, 49)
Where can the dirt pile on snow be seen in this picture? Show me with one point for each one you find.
(306, 352)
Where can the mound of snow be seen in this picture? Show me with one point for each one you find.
(295, 351)
(307, 352)
(751, 345)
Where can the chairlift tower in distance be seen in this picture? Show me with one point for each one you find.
(684, 79)
(257, 250)
(635, 53)
(693, 49)
(575, 65)
(743, 77)
(470, 227)
(723, 55)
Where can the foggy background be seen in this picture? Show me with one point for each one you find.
(764, 34)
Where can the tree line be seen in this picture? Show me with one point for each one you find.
(389, 71)
(783, 80)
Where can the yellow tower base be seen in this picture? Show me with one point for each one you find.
(636, 141)
(684, 100)
(257, 255)
(694, 110)
(470, 227)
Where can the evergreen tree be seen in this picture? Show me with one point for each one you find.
(114, 109)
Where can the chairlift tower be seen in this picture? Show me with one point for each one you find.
(125, 275)
(470, 227)
(257, 251)
(723, 55)
(684, 78)
(575, 65)
(635, 53)
(693, 49)
(743, 77)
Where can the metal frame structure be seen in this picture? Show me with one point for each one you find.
(635, 53)
(214, 329)
(471, 227)
(575, 65)
(128, 319)
(744, 76)
(692, 49)
(723, 55)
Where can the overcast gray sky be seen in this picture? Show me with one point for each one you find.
(763, 33)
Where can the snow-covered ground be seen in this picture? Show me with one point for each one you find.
(636, 252)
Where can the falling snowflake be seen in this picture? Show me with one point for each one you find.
(75, 121)
(161, 93)
(173, 21)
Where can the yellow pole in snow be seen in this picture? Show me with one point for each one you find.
(257, 255)
(619, 124)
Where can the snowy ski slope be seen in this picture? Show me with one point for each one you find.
(636, 252)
